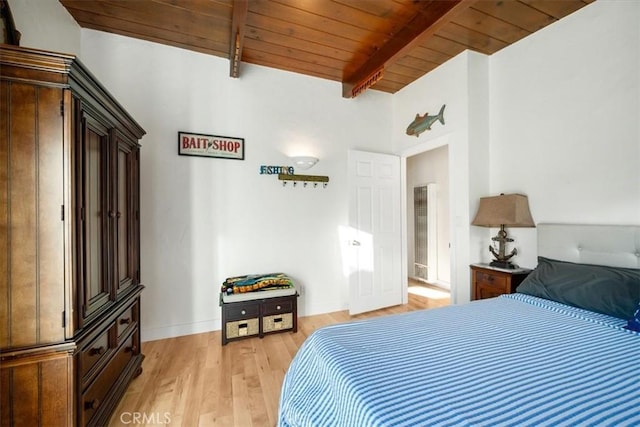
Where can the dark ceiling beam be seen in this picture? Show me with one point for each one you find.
(432, 16)
(238, 23)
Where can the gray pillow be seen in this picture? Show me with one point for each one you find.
(609, 290)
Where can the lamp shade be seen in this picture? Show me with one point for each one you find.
(511, 210)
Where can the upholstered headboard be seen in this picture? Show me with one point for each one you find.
(614, 245)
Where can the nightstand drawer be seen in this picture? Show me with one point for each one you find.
(488, 282)
(491, 280)
(483, 291)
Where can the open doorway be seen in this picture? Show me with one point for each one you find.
(428, 228)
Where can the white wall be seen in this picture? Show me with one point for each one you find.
(207, 219)
(45, 24)
(565, 108)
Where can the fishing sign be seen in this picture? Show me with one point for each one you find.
(192, 144)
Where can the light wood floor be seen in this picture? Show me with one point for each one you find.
(195, 381)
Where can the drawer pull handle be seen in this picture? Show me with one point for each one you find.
(131, 349)
(96, 350)
(243, 312)
(278, 307)
(112, 214)
(92, 405)
(277, 323)
(125, 321)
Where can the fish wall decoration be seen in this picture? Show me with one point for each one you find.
(422, 123)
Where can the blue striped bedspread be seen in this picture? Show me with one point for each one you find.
(515, 360)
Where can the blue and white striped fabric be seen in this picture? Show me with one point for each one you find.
(515, 360)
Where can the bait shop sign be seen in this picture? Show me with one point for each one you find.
(193, 144)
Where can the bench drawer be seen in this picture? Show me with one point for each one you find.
(277, 322)
(243, 310)
(243, 328)
(277, 307)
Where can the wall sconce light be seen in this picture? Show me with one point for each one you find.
(304, 162)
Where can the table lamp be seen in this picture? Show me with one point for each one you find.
(505, 210)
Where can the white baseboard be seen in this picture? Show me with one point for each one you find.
(172, 331)
(438, 283)
(441, 284)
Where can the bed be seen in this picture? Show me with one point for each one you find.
(562, 351)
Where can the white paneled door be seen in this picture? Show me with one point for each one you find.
(375, 242)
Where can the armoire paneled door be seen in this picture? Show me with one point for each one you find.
(70, 286)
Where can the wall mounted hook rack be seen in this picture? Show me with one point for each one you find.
(305, 179)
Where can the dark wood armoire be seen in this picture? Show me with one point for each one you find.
(70, 264)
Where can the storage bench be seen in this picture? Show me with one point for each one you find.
(256, 314)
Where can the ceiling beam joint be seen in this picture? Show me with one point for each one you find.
(432, 17)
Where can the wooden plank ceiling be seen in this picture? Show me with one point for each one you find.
(384, 44)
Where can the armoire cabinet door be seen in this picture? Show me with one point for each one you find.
(32, 282)
(93, 232)
(126, 235)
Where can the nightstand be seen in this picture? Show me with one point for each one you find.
(489, 282)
